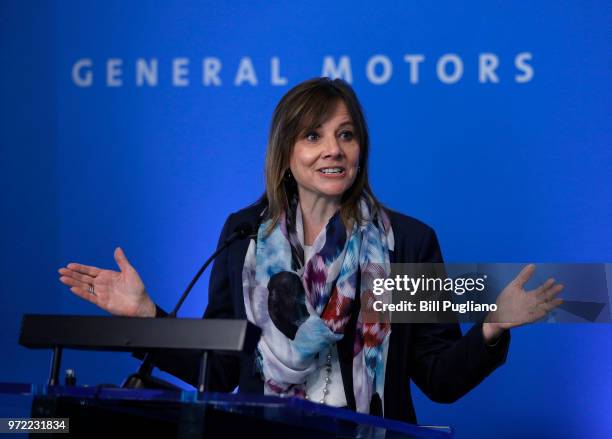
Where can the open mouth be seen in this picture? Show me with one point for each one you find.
(331, 171)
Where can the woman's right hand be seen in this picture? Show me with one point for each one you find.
(120, 293)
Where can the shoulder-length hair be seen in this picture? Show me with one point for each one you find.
(302, 109)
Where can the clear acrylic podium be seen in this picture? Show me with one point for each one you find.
(189, 414)
(109, 411)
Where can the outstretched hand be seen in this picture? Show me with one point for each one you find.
(118, 292)
(516, 306)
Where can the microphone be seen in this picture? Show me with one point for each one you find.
(240, 232)
(143, 379)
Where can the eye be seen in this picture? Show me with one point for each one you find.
(312, 136)
(347, 135)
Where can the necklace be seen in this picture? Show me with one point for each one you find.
(328, 370)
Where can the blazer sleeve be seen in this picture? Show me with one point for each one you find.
(446, 365)
(223, 369)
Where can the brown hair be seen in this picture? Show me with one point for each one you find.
(303, 108)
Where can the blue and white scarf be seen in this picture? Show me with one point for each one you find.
(302, 307)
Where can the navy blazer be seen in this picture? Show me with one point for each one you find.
(444, 364)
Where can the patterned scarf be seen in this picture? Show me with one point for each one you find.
(302, 307)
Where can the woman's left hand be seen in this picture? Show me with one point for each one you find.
(516, 306)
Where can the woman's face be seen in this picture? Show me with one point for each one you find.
(325, 160)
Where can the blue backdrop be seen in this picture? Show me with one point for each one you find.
(144, 125)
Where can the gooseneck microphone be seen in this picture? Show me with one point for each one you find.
(242, 231)
(143, 378)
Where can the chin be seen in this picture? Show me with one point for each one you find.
(333, 192)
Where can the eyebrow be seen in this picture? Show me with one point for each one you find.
(347, 122)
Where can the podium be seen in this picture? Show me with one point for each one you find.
(107, 410)
(97, 411)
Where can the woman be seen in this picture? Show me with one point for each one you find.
(320, 231)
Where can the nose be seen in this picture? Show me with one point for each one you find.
(333, 148)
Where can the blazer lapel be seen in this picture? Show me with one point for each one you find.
(237, 255)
